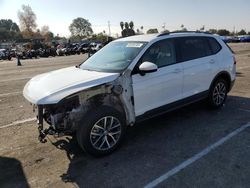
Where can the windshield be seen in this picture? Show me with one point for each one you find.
(115, 57)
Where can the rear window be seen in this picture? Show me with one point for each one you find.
(215, 46)
(193, 48)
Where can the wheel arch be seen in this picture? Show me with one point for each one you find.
(107, 99)
(225, 75)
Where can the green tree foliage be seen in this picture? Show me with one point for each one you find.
(213, 31)
(128, 30)
(9, 30)
(183, 28)
(80, 27)
(165, 31)
(9, 25)
(27, 20)
(242, 32)
(99, 37)
(122, 25)
(223, 32)
(150, 31)
(131, 25)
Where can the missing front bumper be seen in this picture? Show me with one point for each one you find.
(42, 133)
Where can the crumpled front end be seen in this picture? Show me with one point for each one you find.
(64, 117)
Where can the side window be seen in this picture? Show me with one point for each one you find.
(193, 48)
(215, 46)
(161, 53)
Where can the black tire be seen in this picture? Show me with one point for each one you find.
(88, 133)
(218, 93)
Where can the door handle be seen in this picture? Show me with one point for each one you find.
(176, 71)
(212, 61)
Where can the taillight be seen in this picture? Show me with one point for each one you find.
(234, 60)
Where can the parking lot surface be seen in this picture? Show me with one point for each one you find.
(160, 152)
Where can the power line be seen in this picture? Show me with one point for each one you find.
(109, 28)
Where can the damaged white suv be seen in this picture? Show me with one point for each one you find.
(128, 80)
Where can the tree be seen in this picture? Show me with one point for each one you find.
(44, 30)
(202, 28)
(213, 31)
(165, 31)
(80, 27)
(142, 29)
(9, 25)
(131, 25)
(9, 30)
(100, 37)
(122, 25)
(242, 32)
(27, 19)
(126, 25)
(46, 33)
(223, 32)
(128, 30)
(150, 31)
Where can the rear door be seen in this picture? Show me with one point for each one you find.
(198, 64)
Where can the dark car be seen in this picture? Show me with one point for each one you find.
(32, 54)
(84, 48)
(5, 54)
(245, 38)
(230, 39)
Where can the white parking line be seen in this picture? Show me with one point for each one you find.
(12, 93)
(15, 79)
(243, 67)
(17, 122)
(196, 157)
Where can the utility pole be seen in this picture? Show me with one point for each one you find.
(109, 28)
(164, 26)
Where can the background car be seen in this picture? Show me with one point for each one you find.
(5, 54)
(244, 38)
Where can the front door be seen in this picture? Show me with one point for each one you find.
(162, 87)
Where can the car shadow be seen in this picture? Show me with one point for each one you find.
(145, 142)
(11, 173)
(239, 74)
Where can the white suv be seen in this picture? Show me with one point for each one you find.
(128, 80)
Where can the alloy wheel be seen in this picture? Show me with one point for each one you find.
(219, 93)
(105, 133)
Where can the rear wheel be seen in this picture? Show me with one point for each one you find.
(218, 93)
(101, 131)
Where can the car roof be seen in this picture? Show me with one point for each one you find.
(150, 37)
(142, 38)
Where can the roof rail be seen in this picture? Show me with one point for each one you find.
(167, 33)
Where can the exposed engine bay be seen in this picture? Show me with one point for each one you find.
(64, 117)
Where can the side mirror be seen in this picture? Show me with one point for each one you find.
(147, 67)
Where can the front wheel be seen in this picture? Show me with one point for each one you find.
(218, 93)
(101, 131)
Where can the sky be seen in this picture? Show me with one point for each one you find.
(193, 14)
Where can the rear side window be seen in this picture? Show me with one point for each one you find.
(193, 48)
(215, 46)
(229, 48)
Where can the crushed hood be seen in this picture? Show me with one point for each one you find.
(51, 87)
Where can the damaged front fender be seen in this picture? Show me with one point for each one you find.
(66, 115)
